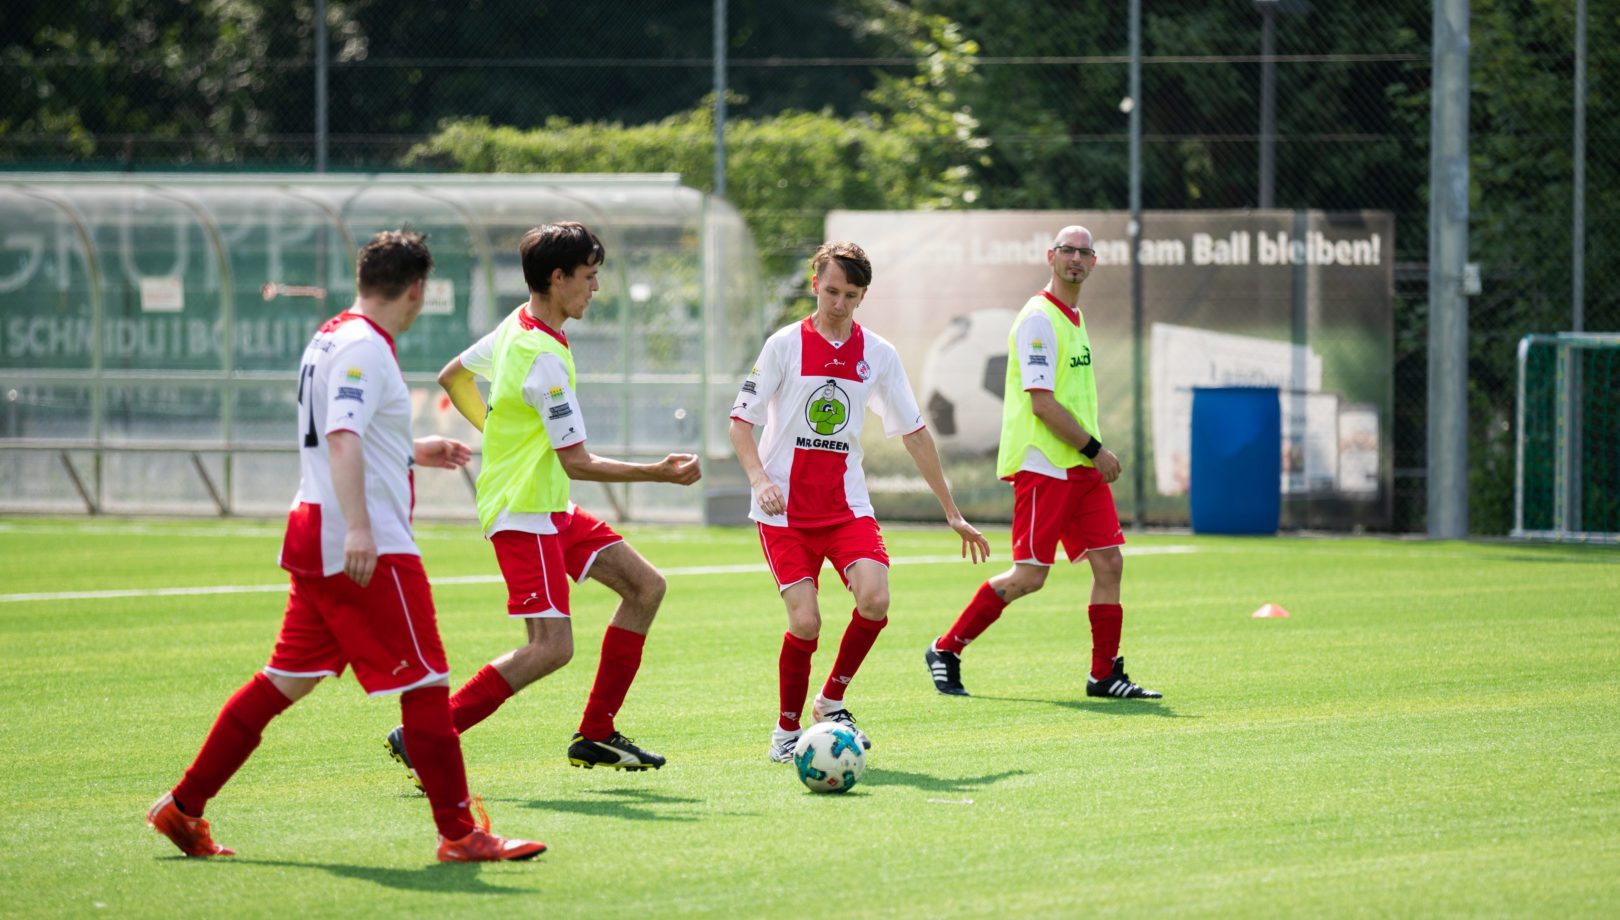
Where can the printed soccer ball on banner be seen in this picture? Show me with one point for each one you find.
(829, 758)
(963, 375)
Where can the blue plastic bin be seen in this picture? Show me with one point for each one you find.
(1236, 477)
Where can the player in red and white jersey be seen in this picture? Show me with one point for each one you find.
(359, 595)
(811, 387)
(350, 382)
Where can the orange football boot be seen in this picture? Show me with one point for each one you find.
(188, 833)
(482, 846)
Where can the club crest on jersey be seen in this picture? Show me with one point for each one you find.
(827, 412)
(863, 370)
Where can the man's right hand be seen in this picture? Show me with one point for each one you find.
(359, 555)
(770, 496)
(1107, 464)
(680, 469)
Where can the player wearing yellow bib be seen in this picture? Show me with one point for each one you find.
(1053, 455)
(534, 444)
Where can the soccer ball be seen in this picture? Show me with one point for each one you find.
(829, 758)
(963, 376)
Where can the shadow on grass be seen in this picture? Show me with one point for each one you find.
(1594, 558)
(629, 804)
(928, 783)
(1101, 707)
(456, 878)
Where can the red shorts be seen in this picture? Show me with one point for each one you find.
(386, 630)
(1079, 511)
(534, 564)
(796, 553)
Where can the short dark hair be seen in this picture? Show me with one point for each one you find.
(391, 262)
(566, 245)
(850, 257)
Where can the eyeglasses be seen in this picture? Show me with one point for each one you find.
(1073, 250)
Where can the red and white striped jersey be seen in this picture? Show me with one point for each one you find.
(350, 381)
(811, 395)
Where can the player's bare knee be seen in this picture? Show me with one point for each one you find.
(542, 656)
(1107, 566)
(873, 605)
(1026, 579)
(806, 624)
(648, 592)
(293, 688)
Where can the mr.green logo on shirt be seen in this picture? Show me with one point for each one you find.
(828, 410)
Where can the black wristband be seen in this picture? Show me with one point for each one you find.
(1091, 450)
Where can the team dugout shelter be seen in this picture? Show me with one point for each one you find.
(151, 327)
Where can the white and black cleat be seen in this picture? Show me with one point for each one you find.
(615, 752)
(946, 670)
(1118, 685)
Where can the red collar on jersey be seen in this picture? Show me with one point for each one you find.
(348, 316)
(818, 357)
(1070, 312)
(526, 322)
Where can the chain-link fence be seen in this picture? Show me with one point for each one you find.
(879, 104)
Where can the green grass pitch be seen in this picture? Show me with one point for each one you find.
(1435, 731)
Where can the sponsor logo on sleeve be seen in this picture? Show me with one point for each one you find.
(1037, 360)
(354, 393)
(1037, 345)
(561, 410)
(355, 373)
(554, 393)
(749, 387)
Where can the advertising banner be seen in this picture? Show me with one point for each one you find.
(1299, 300)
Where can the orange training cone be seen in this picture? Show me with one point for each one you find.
(1270, 611)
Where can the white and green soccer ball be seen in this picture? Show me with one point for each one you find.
(829, 758)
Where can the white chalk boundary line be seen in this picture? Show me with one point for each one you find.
(674, 571)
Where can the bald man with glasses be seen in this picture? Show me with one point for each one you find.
(1053, 455)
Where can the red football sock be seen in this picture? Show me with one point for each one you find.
(235, 734)
(478, 698)
(1106, 620)
(436, 756)
(858, 638)
(621, 657)
(793, 679)
(984, 609)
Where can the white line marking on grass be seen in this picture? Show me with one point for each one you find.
(184, 530)
(681, 570)
(950, 801)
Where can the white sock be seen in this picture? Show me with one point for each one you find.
(827, 707)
